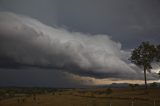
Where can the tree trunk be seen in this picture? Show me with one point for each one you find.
(145, 78)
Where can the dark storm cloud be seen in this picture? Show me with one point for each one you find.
(35, 77)
(43, 10)
(127, 21)
(28, 42)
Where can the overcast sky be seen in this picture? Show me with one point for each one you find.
(81, 42)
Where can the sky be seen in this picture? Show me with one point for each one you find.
(74, 43)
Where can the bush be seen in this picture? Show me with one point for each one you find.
(134, 86)
(109, 91)
(154, 85)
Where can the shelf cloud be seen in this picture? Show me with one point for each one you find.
(26, 42)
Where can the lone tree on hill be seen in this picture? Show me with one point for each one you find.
(143, 56)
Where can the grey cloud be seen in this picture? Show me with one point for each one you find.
(127, 21)
(43, 10)
(36, 77)
(29, 42)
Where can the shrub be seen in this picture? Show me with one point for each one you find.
(154, 85)
(109, 91)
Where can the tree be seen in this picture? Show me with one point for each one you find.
(109, 91)
(159, 73)
(158, 53)
(143, 56)
(154, 85)
(131, 86)
(136, 85)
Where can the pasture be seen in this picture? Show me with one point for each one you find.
(86, 97)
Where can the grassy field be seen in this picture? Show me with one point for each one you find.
(87, 97)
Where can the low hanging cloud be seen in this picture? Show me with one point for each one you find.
(27, 42)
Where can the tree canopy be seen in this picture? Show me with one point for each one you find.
(158, 53)
(144, 55)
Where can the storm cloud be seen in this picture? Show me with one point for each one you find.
(26, 42)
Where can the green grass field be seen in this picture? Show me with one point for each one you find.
(93, 97)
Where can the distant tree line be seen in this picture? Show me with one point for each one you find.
(8, 92)
(138, 86)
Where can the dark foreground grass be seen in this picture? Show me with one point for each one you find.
(94, 97)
